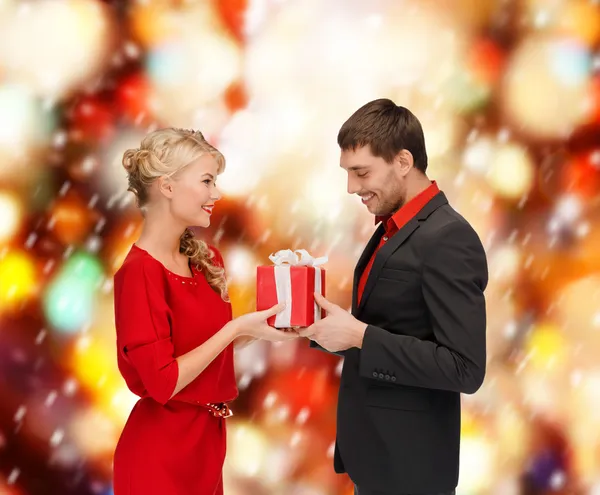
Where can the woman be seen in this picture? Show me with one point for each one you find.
(174, 324)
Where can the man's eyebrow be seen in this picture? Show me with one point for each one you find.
(357, 167)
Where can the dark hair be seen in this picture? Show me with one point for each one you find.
(387, 128)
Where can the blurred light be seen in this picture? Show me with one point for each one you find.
(470, 86)
(247, 449)
(543, 14)
(92, 120)
(245, 144)
(594, 98)
(10, 213)
(567, 211)
(465, 93)
(18, 279)
(478, 154)
(92, 362)
(233, 15)
(580, 175)
(580, 19)
(570, 62)
(70, 297)
(241, 265)
(511, 433)
(442, 130)
(71, 220)
(93, 432)
(68, 305)
(478, 454)
(486, 61)
(52, 47)
(24, 124)
(133, 97)
(304, 50)
(542, 392)
(546, 86)
(511, 173)
(505, 263)
(7, 485)
(153, 22)
(200, 64)
(121, 403)
(325, 196)
(546, 347)
(577, 309)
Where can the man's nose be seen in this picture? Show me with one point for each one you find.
(353, 187)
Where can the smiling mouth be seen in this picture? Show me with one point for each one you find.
(208, 208)
(365, 199)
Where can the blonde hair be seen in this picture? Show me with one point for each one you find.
(163, 153)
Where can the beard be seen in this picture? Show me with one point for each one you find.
(392, 199)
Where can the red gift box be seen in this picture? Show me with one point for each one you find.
(295, 285)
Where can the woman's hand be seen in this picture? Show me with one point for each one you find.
(255, 325)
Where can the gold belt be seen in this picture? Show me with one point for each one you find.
(219, 410)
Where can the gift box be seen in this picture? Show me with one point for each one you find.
(293, 278)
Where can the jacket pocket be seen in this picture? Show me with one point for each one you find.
(399, 397)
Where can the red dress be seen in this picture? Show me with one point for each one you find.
(169, 446)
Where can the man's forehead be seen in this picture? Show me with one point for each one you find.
(353, 160)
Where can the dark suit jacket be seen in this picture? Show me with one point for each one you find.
(398, 420)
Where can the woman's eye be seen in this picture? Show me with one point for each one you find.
(207, 181)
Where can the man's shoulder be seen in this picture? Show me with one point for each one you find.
(446, 221)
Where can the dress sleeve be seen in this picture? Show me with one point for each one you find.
(142, 320)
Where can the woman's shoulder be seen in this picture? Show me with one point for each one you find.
(139, 263)
(217, 256)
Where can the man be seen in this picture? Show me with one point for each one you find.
(415, 339)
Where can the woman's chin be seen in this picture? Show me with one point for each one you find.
(203, 221)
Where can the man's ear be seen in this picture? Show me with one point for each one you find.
(405, 160)
(165, 186)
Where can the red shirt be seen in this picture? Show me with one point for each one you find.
(393, 223)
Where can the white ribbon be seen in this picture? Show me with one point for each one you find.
(283, 260)
(318, 290)
(289, 257)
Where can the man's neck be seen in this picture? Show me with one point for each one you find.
(416, 187)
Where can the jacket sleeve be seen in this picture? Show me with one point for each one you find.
(142, 320)
(314, 345)
(455, 275)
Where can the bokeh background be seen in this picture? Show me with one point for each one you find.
(508, 92)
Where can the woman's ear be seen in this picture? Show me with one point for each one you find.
(165, 186)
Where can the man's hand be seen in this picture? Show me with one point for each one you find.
(336, 332)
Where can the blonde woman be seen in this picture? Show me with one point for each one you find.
(173, 318)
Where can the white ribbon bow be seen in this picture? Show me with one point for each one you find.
(289, 257)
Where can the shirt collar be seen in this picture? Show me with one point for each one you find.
(413, 206)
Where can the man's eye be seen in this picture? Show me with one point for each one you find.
(364, 174)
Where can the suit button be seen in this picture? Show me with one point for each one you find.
(393, 378)
(380, 375)
(387, 377)
(375, 374)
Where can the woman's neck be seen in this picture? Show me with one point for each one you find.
(160, 238)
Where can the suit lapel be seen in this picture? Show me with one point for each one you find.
(387, 250)
(382, 256)
(364, 260)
